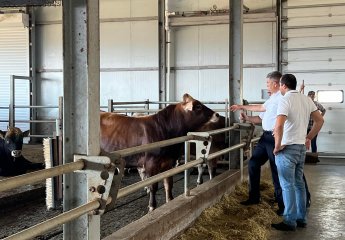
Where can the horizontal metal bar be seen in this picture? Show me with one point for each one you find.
(314, 48)
(23, 106)
(156, 178)
(22, 77)
(316, 26)
(314, 71)
(315, 5)
(223, 18)
(40, 175)
(49, 224)
(146, 147)
(217, 131)
(103, 20)
(121, 106)
(226, 150)
(204, 67)
(134, 102)
(138, 69)
(255, 139)
(136, 111)
(35, 121)
(4, 107)
(41, 136)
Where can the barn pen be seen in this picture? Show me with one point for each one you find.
(96, 174)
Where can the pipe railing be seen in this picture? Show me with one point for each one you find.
(93, 205)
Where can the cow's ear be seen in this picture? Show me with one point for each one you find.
(188, 106)
(187, 98)
(26, 133)
(2, 134)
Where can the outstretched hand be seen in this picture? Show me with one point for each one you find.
(235, 107)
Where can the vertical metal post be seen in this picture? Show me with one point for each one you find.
(11, 115)
(81, 105)
(186, 172)
(235, 69)
(110, 105)
(241, 163)
(32, 74)
(162, 52)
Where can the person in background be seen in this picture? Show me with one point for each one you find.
(322, 110)
(291, 141)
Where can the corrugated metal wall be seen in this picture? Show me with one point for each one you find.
(315, 52)
(14, 60)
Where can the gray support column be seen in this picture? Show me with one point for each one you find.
(81, 106)
(162, 51)
(32, 74)
(235, 70)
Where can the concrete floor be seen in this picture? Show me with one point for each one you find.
(326, 216)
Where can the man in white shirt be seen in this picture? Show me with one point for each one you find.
(264, 149)
(291, 141)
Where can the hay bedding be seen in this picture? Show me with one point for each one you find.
(228, 219)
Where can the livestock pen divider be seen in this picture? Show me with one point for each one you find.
(33, 111)
(101, 169)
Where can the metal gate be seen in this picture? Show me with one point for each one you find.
(14, 60)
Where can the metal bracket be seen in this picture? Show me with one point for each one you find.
(104, 174)
(203, 142)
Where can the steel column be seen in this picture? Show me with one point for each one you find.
(235, 69)
(81, 89)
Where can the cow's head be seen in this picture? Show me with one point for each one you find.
(198, 113)
(13, 138)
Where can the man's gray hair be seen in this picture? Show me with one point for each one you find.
(275, 75)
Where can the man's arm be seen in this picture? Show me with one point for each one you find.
(252, 119)
(253, 108)
(278, 133)
(318, 122)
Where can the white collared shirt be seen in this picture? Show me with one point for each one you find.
(270, 115)
(297, 108)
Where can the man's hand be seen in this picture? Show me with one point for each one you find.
(278, 149)
(235, 107)
(307, 143)
(243, 116)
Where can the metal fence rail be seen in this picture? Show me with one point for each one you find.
(95, 203)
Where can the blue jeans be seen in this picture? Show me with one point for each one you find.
(290, 163)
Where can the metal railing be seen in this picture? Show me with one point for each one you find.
(96, 203)
(33, 108)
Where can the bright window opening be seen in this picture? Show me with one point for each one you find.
(333, 96)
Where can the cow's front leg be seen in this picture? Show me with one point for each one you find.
(200, 173)
(212, 167)
(153, 201)
(168, 185)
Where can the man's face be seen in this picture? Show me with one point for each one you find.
(272, 86)
(312, 96)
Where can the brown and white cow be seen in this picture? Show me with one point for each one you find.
(120, 132)
(12, 162)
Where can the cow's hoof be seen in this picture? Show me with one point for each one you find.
(151, 209)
